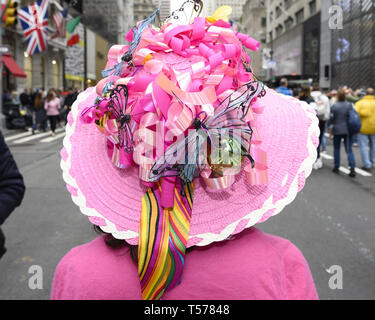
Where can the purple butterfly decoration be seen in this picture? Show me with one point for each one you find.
(183, 158)
(118, 106)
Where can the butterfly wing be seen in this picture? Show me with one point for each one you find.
(119, 101)
(182, 157)
(126, 138)
(118, 106)
(232, 111)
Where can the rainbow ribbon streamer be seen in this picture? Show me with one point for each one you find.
(163, 239)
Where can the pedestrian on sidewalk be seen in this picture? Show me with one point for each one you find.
(323, 110)
(40, 113)
(163, 214)
(52, 107)
(61, 117)
(12, 188)
(283, 88)
(366, 139)
(25, 100)
(305, 94)
(68, 102)
(338, 126)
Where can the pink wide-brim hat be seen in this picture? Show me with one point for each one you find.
(111, 197)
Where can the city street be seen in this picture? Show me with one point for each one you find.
(332, 222)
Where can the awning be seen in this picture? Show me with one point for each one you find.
(13, 67)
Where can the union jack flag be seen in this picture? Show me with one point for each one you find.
(34, 21)
(60, 21)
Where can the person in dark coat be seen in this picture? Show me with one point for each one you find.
(25, 100)
(338, 125)
(12, 187)
(68, 102)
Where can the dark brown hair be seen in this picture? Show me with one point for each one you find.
(117, 244)
(51, 95)
(38, 104)
(305, 91)
(341, 95)
(316, 86)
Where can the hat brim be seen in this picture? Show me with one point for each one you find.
(111, 197)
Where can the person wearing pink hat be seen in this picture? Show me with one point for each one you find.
(175, 156)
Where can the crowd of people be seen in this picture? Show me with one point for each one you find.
(334, 109)
(40, 108)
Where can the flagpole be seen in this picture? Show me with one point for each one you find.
(1, 65)
(85, 58)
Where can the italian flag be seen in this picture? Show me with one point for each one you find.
(70, 28)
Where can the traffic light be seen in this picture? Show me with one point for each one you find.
(11, 14)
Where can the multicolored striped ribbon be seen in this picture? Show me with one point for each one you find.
(163, 239)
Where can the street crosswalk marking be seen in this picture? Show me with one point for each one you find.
(363, 172)
(345, 170)
(51, 139)
(35, 137)
(327, 156)
(17, 136)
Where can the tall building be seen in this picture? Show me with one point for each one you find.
(143, 9)
(209, 7)
(254, 23)
(237, 6)
(353, 44)
(111, 19)
(165, 8)
(293, 34)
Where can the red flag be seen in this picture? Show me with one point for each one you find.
(3, 4)
(73, 40)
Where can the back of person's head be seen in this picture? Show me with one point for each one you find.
(316, 86)
(51, 95)
(305, 91)
(370, 91)
(341, 95)
(38, 100)
(284, 82)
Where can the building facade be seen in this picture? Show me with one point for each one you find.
(353, 45)
(101, 52)
(143, 9)
(43, 70)
(293, 34)
(59, 66)
(209, 7)
(237, 6)
(165, 8)
(254, 23)
(111, 19)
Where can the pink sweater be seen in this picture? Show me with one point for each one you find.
(52, 107)
(254, 266)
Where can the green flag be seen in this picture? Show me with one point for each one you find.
(71, 25)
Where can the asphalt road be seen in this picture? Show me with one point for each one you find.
(332, 221)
